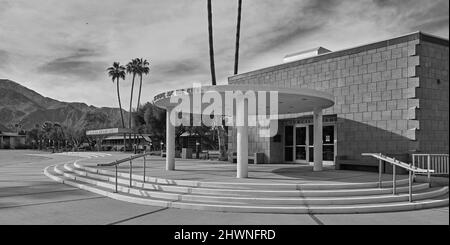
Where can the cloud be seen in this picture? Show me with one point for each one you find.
(180, 68)
(285, 23)
(86, 70)
(77, 65)
(416, 14)
(432, 18)
(388, 3)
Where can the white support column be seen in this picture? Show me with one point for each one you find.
(242, 137)
(170, 142)
(318, 141)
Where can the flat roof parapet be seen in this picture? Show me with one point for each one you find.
(376, 45)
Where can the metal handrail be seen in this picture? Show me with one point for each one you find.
(423, 154)
(396, 162)
(437, 162)
(118, 162)
(411, 170)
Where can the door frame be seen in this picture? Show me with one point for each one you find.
(307, 146)
(306, 143)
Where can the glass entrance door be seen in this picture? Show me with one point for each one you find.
(311, 143)
(300, 144)
(289, 144)
(328, 138)
(328, 144)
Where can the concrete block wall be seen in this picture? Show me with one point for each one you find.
(433, 92)
(376, 90)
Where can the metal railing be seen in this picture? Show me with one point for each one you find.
(412, 170)
(437, 162)
(128, 159)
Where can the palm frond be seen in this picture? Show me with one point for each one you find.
(116, 71)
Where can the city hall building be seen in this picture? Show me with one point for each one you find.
(391, 97)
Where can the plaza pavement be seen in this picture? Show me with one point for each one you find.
(27, 196)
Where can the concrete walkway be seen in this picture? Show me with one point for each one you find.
(27, 196)
(216, 171)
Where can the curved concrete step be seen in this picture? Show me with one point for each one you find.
(253, 192)
(251, 186)
(331, 209)
(84, 154)
(123, 187)
(316, 200)
(366, 208)
(54, 175)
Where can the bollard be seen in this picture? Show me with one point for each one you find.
(144, 169)
(428, 168)
(116, 178)
(380, 172)
(410, 186)
(394, 180)
(131, 171)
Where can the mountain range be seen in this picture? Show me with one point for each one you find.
(25, 107)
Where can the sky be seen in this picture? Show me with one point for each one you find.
(61, 49)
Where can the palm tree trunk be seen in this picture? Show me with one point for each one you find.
(139, 101)
(221, 141)
(131, 105)
(120, 103)
(238, 35)
(139, 95)
(121, 113)
(213, 69)
(211, 44)
(131, 100)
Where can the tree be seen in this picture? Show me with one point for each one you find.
(143, 69)
(132, 68)
(211, 44)
(59, 134)
(213, 76)
(33, 136)
(75, 137)
(40, 135)
(47, 129)
(53, 133)
(238, 35)
(117, 72)
(151, 120)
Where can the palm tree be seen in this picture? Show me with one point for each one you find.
(238, 35)
(143, 69)
(213, 75)
(132, 68)
(211, 44)
(117, 72)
